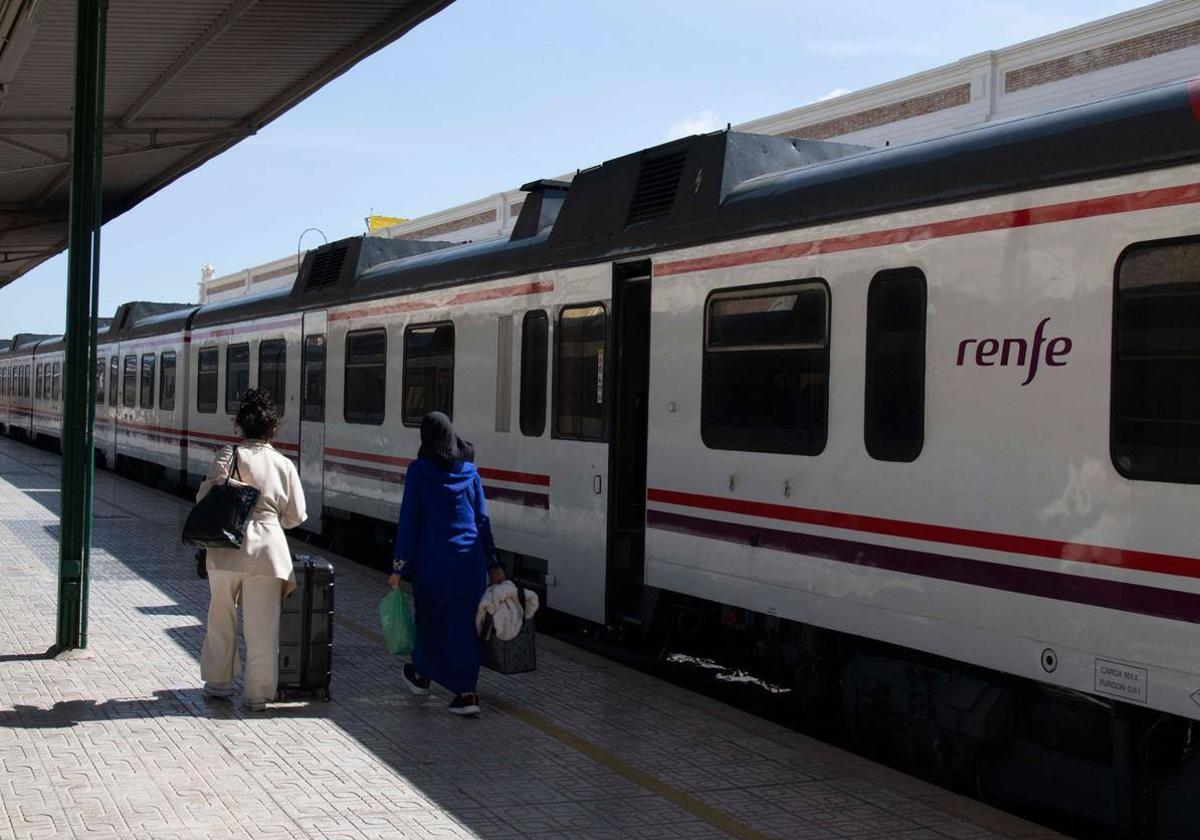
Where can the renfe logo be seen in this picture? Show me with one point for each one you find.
(1015, 351)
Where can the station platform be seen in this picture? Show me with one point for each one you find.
(124, 745)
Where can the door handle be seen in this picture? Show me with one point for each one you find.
(596, 484)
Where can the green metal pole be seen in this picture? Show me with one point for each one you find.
(93, 372)
(83, 236)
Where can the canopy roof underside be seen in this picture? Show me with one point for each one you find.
(186, 79)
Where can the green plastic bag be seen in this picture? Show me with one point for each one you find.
(396, 615)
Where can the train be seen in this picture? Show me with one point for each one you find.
(921, 423)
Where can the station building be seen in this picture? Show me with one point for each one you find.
(1135, 50)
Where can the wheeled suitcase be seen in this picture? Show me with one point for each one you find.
(306, 630)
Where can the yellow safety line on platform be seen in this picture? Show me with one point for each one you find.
(624, 769)
(685, 802)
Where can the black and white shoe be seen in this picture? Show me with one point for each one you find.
(464, 704)
(417, 685)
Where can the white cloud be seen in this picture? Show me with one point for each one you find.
(833, 94)
(700, 123)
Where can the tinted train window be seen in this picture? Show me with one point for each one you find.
(147, 390)
(114, 367)
(37, 385)
(166, 382)
(366, 377)
(894, 422)
(272, 371)
(129, 386)
(428, 371)
(206, 380)
(765, 385)
(1156, 363)
(101, 368)
(56, 388)
(535, 354)
(314, 378)
(579, 373)
(237, 376)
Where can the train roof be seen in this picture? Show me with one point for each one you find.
(326, 277)
(140, 318)
(27, 342)
(726, 185)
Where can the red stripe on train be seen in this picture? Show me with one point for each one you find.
(1143, 561)
(486, 472)
(1028, 217)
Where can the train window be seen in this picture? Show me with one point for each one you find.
(366, 377)
(113, 368)
(166, 382)
(428, 371)
(272, 371)
(535, 354)
(765, 380)
(579, 372)
(314, 378)
(147, 388)
(37, 383)
(207, 364)
(56, 386)
(237, 376)
(101, 370)
(1155, 431)
(894, 422)
(129, 386)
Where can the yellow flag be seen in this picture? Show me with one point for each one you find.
(378, 222)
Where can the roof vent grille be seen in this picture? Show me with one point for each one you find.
(656, 186)
(326, 267)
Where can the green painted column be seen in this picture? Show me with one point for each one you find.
(79, 380)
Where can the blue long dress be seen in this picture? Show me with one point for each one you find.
(444, 546)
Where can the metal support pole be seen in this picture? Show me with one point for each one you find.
(80, 337)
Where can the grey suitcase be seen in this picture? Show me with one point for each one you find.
(306, 630)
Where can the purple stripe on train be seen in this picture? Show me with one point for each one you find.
(1111, 594)
(490, 491)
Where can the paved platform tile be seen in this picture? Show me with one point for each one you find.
(124, 745)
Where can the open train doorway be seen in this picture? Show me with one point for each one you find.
(628, 602)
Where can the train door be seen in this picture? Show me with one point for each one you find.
(312, 418)
(628, 600)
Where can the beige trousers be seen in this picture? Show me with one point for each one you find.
(260, 597)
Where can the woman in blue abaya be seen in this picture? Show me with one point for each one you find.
(444, 547)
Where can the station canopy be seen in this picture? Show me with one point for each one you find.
(186, 80)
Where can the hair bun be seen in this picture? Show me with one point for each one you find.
(257, 398)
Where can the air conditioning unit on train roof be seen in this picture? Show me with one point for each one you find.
(637, 200)
(335, 265)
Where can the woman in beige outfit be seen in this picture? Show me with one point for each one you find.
(259, 574)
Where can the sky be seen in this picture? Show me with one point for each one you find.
(490, 94)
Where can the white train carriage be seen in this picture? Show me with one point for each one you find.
(226, 359)
(46, 409)
(6, 386)
(19, 396)
(939, 397)
(146, 400)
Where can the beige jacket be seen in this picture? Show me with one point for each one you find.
(265, 549)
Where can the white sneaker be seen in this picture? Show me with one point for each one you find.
(254, 705)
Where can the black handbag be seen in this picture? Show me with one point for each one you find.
(516, 656)
(219, 519)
